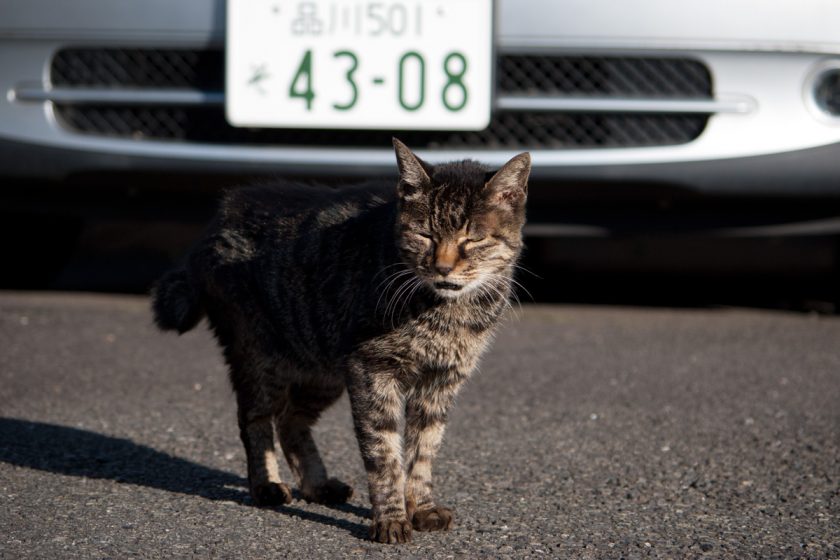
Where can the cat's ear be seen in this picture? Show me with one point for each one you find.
(414, 172)
(508, 187)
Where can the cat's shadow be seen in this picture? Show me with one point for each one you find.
(76, 452)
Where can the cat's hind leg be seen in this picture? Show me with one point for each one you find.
(294, 429)
(256, 428)
(261, 395)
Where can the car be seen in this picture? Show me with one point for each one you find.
(727, 97)
(669, 140)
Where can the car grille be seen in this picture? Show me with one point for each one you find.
(523, 76)
(138, 68)
(660, 78)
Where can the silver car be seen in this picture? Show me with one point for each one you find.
(731, 97)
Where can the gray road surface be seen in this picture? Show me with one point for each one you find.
(589, 433)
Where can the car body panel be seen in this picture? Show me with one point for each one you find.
(806, 26)
(763, 57)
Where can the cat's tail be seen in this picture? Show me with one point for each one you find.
(176, 302)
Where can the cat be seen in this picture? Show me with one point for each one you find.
(390, 292)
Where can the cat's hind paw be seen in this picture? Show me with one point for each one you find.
(271, 494)
(333, 491)
(391, 531)
(437, 518)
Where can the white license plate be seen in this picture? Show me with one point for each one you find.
(405, 64)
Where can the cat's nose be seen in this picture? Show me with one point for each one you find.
(443, 269)
(446, 255)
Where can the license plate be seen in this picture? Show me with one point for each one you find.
(421, 64)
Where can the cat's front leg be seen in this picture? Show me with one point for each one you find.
(377, 404)
(426, 412)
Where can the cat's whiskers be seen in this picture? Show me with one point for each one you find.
(394, 299)
(486, 288)
(514, 282)
(386, 267)
(501, 283)
(417, 284)
(393, 278)
(492, 292)
(391, 275)
(392, 295)
(398, 297)
(524, 269)
(385, 294)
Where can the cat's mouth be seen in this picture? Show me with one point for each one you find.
(448, 286)
(454, 290)
(448, 290)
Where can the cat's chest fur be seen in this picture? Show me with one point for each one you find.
(440, 343)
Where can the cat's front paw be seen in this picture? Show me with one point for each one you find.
(333, 491)
(271, 494)
(391, 531)
(437, 518)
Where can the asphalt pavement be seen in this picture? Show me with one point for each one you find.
(590, 432)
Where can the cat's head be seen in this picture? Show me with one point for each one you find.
(460, 226)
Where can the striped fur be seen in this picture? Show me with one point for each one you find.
(390, 293)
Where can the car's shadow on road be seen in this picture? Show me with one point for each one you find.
(74, 452)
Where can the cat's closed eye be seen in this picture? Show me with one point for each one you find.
(424, 238)
(467, 241)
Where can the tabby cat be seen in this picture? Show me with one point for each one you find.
(391, 293)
